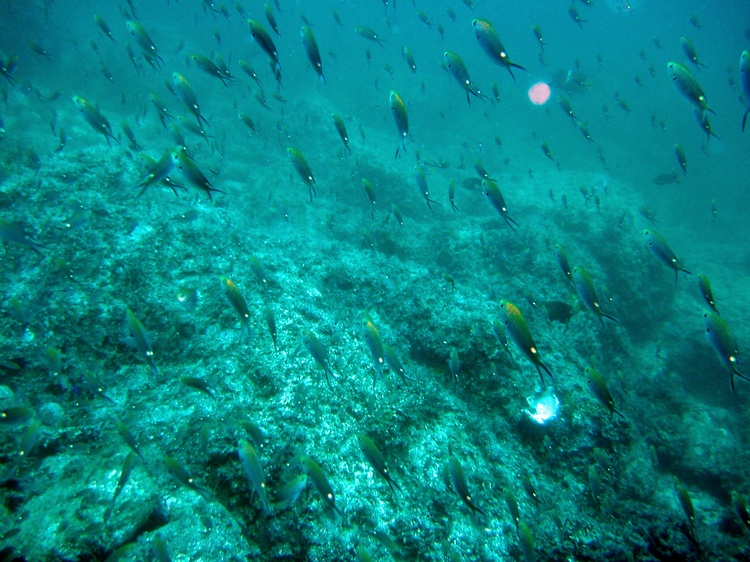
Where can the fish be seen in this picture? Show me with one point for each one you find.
(14, 233)
(372, 339)
(139, 339)
(460, 486)
(562, 261)
(369, 34)
(587, 292)
(15, 415)
(237, 302)
(666, 178)
(424, 189)
(539, 37)
(209, 67)
(689, 49)
(313, 53)
(144, 41)
(158, 172)
(491, 44)
(495, 197)
(457, 69)
(510, 501)
(398, 109)
(393, 362)
(688, 86)
(454, 364)
(659, 247)
(564, 104)
(338, 122)
(264, 41)
(303, 169)
(133, 142)
(93, 117)
(254, 472)
(408, 56)
(319, 353)
(740, 508)
(245, 66)
(199, 385)
(375, 458)
(595, 486)
(247, 120)
(271, 19)
(575, 16)
(686, 503)
(161, 109)
(184, 92)
(705, 289)
(679, 152)
(192, 173)
(724, 344)
(370, 191)
(452, 194)
(127, 467)
(311, 467)
(704, 124)
(187, 297)
(182, 476)
(516, 327)
(288, 493)
(527, 541)
(557, 311)
(271, 322)
(745, 84)
(599, 389)
(105, 28)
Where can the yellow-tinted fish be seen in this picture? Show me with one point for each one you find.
(375, 458)
(369, 34)
(424, 189)
(182, 476)
(303, 169)
(491, 44)
(679, 152)
(688, 86)
(662, 251)
(495, 197)
(264, 41)
(319, 353)
(338, 122)
(398, 109)
(408, 56)
(192, 173)
(457, 69)
(320, 481)
(139, 339)
(104, 27)
(150, 53)
(271, 19)
(539, 37)
(209, 67)
(516, 326)
(599, 389)
(312, 51)
(689, 49)
(724, 344)
(184, 91)
(370, 191)
(237, 301)
(587, 292)
(705, 289)
(254, 472)
(460, 486)
(93, 117)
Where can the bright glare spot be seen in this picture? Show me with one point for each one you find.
(539, 93)
(543, 407)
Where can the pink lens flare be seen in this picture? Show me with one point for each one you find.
(539, 93)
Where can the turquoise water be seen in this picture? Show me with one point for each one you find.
(148, 410)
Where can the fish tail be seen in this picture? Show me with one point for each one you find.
(744, 118)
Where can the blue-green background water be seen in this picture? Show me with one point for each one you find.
(81, 248)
